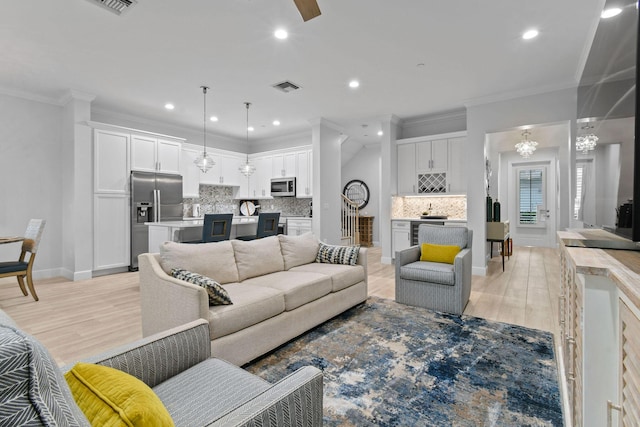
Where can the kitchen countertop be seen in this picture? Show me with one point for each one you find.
(198, 222)
(619, 266)
(430, 220)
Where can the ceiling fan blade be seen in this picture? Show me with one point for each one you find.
(308, 9)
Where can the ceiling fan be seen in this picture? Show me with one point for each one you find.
(308, 9)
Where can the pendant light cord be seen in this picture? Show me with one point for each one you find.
(247, 104)
(204, 122)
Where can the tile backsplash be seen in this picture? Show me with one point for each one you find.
(220, 199)
(455, 207)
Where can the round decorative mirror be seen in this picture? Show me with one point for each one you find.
(357, 191)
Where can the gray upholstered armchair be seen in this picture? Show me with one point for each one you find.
(438, 286)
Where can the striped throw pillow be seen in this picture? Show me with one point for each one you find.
(330, 254)
(217, 294)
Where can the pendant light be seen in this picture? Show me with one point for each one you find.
(247, 169)
(204, 161)
(586, 142)
(526, 147)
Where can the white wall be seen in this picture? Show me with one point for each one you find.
(365, 166)
(551, 107)
(31, 178)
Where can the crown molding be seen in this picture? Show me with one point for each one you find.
(506, 96)
(30, 96)
(74, 94)
(436, 117)
(328, 123)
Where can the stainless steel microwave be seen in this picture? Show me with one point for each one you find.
(283, 187)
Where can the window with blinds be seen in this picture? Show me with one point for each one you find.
(530, 194)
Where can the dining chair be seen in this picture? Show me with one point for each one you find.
(22, 268)
(217, 227)
(267, 226)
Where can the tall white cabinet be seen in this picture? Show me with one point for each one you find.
(110, 199)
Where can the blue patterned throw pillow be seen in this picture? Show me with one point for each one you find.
(217, 294)
(330, 254)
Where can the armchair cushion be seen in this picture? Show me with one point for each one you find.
(108, 396)
(425, 271)
(216, 293)
(438, 253)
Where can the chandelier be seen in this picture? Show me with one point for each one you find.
(526, 147)
(586, 142)
(247, 169)
(204, 161)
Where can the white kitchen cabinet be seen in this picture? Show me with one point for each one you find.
(110, 231)
(432, 155)
(151, 154)
(190, 173)
(111, 162)
(283, 165)
(400, 236)
(298, 226)
(260, 180)
(304, 176)
(456, 173)
(407, 178)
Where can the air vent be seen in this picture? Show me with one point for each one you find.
(286, 86)
(116, 6)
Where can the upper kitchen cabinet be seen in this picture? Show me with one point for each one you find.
(111, 161)
(190, 173)
(283, 165)
(432, 155)
(431, 164)
(225, 171)
(456, 176)
(153, 154)
(304, 175)
(260, 180)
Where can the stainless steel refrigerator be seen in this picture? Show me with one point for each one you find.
(154, 197)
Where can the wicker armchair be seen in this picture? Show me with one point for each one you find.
(437, 286)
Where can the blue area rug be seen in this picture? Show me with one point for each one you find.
(389, 364)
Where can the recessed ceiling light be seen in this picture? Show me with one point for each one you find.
(169, 106)
(610, 13)
(213, 118)
(281, 34)
(528, 35)
(276, 122)
(250, 129)
(354, 84)
(380, 133)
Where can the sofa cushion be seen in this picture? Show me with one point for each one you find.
(216, 293)
(298, 250)
(251, 305)
(108, 396)
(34, 391)
(215, 260)
(258, 257)
(208, 391)
(433, 272)
(332, 254)
(299, 287)
(342, 276)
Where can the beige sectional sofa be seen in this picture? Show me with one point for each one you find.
(278, 291)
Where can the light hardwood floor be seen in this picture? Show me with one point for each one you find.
(78, 319)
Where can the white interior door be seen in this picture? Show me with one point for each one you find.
(533, 198)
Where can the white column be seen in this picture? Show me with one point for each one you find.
(325, 142)
(388, 181)
(77, 191)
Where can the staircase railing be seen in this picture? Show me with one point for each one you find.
(349, 221)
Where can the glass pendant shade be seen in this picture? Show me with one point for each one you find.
(247, 169)
(204, 161)
(586, 143)
(526, 147)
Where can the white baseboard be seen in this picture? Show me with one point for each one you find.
(479, 271)
(386, 260)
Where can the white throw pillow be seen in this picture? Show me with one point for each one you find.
(298, 250)
(258, 257)
(215, 260)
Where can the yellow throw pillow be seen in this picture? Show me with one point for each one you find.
(110, 397)
(439, 253)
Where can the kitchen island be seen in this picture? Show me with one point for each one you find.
(190, 230)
